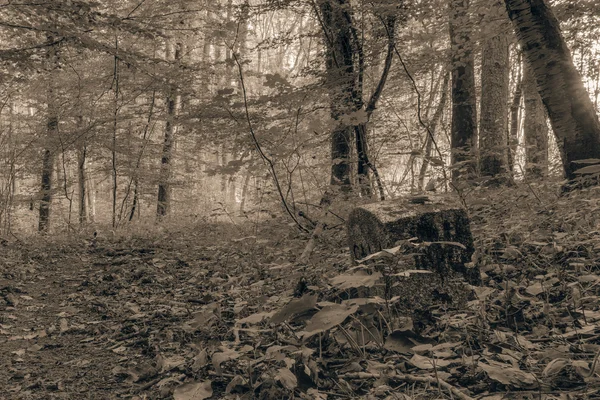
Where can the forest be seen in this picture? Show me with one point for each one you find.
(299, 199)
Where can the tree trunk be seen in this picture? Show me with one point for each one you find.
(535, 128)
(245, 192)
(515, 120)
(115, 177)
(91, 197)
(493, 123)
(463, 133)
(81, 159)
(342, 83)
(362, 169)
(134, 202)
(164, 185)
(571, 112)
(51, 135)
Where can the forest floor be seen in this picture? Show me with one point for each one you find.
(208, 311)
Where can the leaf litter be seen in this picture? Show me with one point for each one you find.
(186, 314)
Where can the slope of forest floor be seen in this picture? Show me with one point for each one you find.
(208, 311)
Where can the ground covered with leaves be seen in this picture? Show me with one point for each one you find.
(222, 311)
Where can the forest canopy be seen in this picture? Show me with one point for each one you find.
(114, 111)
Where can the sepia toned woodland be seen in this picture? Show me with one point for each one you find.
(311, 199)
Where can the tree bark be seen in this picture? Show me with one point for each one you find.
(164, 185)
(342, 81)
(81, 173)
(493, 123)
(571, 112)
(51, 135)
(515, 120)
(463, 134)
(535, 128)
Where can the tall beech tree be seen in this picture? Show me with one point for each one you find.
(570, 109)
(463, 133)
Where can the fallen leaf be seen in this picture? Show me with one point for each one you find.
(508, 375)
(328, 318)
(221, 357)
(295, 307)
(287, 378)
(193, 391)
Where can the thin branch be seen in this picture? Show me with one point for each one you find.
(421, 122)
(257, 144)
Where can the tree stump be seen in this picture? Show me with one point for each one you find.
(440, 228)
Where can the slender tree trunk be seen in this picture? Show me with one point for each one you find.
(571, 112)
(463, 134)
(51, 136)
(362, 153)
(81, 173)
(245, 192)
(91, 199)
(231, 191)
(115, 178)
(535, 128)
(164, 186)
(134, 202)
(493, 161)
(515, 120)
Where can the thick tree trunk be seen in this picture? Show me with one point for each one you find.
(164, 185)
(571, 112)
(535, 128)
(342, 83)
(464, 100)
(493, 153)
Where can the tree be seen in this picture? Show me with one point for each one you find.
(343, 84)
(570, 110)
(345, 66)
(493, 123)
(515, 117)
(164, 187)
(464, 109)
(535, 128)
(51, 137)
